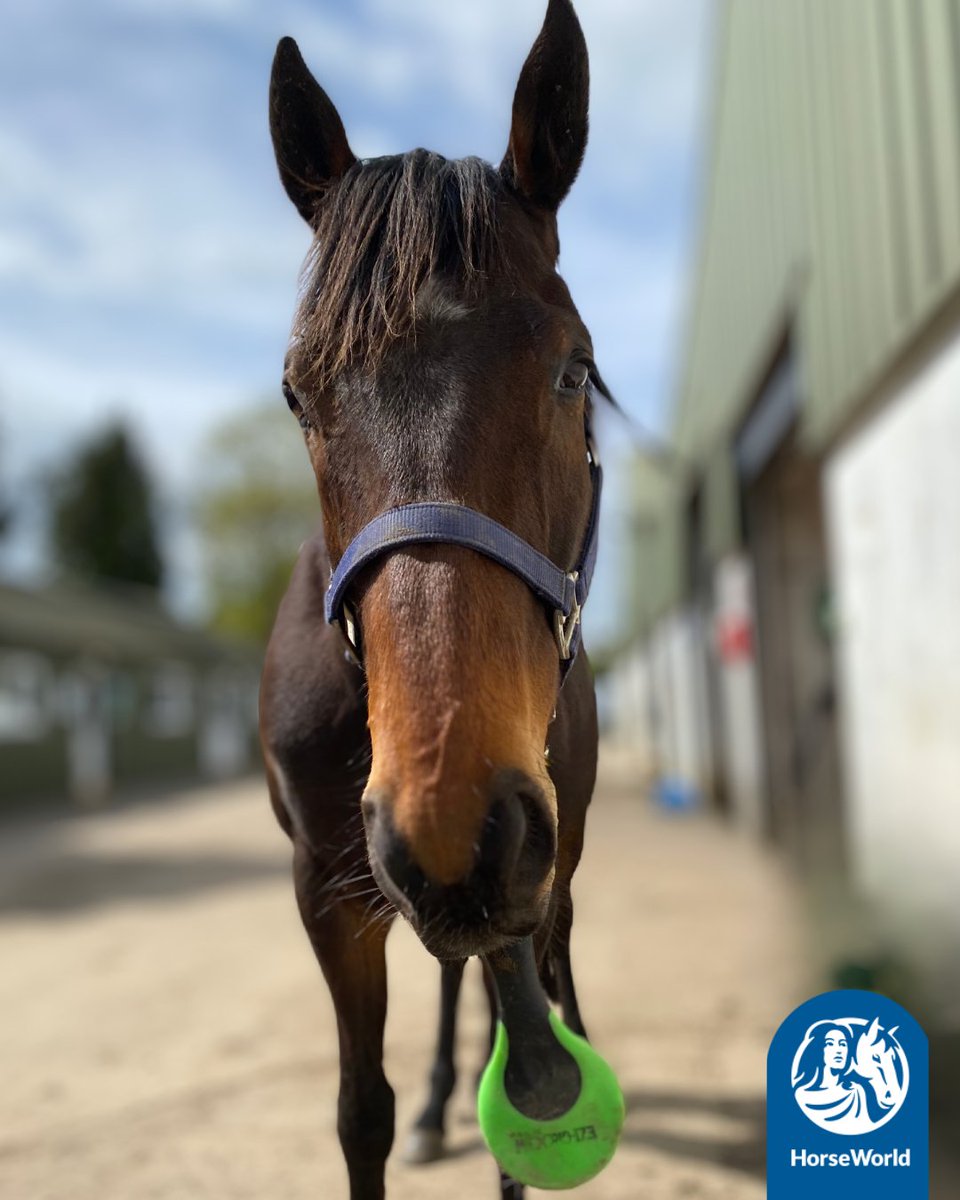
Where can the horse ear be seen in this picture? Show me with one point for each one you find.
(548, 134)
(308, 136)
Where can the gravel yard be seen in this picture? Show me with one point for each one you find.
(168, 1036)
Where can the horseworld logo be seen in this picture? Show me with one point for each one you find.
(847, 1087)
(850, 1076)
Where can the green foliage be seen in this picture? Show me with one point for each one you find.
(258, 504)
(103, 521)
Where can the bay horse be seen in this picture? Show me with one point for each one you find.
(430, 733)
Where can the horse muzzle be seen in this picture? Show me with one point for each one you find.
(504, 893)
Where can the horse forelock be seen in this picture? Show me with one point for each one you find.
(385, 232)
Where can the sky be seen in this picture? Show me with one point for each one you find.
(149, 257)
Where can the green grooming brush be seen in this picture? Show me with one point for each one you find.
(550, 1108)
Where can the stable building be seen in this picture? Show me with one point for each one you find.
(798, 569)
(103, 690)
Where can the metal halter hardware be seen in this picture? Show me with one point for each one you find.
(448, 523)
(565, 627)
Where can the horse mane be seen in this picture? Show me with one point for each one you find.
(381, 231)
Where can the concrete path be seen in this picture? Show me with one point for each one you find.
(167, 1035)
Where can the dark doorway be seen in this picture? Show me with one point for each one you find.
(786, 539)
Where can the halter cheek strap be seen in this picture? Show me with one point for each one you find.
(447, 523)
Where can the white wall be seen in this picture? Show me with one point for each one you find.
(893, 497)
(626, 696)
(675, 670)
(658, 700)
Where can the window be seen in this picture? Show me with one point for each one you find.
(24, 689)
(170, 704)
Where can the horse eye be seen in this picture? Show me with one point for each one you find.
(295, 406)
(289, 395)
(291, 398)
(574, 377)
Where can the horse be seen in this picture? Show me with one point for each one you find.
(876, 1062)
(429, 729)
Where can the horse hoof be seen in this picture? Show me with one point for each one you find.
(423, 1146)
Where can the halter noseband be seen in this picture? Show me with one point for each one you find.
(445, 522)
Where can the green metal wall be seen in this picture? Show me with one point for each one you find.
(832, 204)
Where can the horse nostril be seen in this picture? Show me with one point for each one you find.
(520, 843)
(502, 841)
(540, 850)
(393, 865)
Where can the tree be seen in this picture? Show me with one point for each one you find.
(6, 514)
(257, 505)
(103, 520)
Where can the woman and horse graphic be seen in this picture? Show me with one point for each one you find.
(850, 1076)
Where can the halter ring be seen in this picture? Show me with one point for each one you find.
(565, 626)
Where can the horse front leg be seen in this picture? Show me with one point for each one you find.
(510, 1189)
(351, 949)
(561, 968)
(557, 978)
(425, 1143)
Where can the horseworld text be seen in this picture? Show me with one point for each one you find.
(852, 1158)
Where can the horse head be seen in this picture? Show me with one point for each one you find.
(437, 356)
(875, 1060)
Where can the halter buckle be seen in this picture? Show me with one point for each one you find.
(348, 624)
(593, 457)
(565, 627)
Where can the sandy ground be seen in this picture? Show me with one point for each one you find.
(167, 1035)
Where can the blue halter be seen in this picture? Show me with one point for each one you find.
(564, 592)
